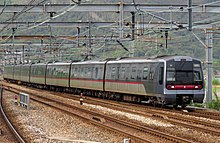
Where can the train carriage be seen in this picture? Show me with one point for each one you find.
(184, 81)
(135, 79)
(87, 75)
(38, 74)
(174, 80)
(57, 74)
(17, 73)
(25, 73)
(8, 72)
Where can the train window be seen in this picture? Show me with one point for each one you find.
(82, 72)
(145, 73)
(139, 74)
(127, 72)
(100, 72)
(161, 75)
(113, 73)
(133, 73)
(197, 76)
(122, 75)
(196, 65)
(52, 71)
(92, 72)
(75, 72)
(170, 74)
(117, 73)
(85, 72)
(108, 71)
(96, 72)
(39, 71)
(78, 73)
(151, 76)
(89, 72)
(197, 73)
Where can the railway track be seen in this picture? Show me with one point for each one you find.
(205, 113)
(181, 120)
(135, 131)
(10, 126)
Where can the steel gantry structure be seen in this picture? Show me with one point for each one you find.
(111, 7)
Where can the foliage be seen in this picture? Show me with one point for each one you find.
(214, 104)
(198, 105)
(216, 81)
(216, 63)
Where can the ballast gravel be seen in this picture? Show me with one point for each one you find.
(41, 124)
(44, 124)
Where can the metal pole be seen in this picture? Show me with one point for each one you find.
(13, 44)
(133, 25)
(23, 54)
(29, 53)
(209, 60)
(90, 42)
(190, 14)
(78, 32)
(131, 54)
(121, 19)
(131, 51)
(50, 39)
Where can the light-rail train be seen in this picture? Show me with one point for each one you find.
(165, 80)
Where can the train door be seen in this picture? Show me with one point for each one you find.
(160, 78)
(151, 79)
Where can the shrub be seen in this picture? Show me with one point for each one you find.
(214, 104)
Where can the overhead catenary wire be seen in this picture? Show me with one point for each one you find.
(5, 4)
(16, 15)
(47, 20)
(101, 27)
(209, 3)
(153, 15)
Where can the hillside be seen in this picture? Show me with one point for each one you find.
(181, 42)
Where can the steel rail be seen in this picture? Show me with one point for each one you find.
(110, 119)
(168, 117)
(120, 122)
(60, 107)
(9, 124)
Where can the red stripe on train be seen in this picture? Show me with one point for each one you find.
(92, 80)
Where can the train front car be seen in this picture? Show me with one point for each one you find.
(183, 81)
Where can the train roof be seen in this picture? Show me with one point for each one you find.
(91, 62)
(155, 58)
(133, 60)
(119, 60)
(59, 63)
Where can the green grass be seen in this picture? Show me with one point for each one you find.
(201, 105)
(214, 104)
(216, 81)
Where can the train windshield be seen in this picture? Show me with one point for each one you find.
(184, 73)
